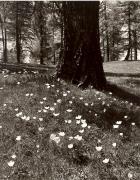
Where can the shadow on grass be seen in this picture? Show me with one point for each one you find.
(123, 94)
(137, 75)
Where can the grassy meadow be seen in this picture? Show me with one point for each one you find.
(52, 130)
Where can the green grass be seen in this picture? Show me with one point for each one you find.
(39, 157)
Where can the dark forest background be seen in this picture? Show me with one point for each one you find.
(32, 32)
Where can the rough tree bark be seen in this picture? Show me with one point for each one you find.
(82, 63)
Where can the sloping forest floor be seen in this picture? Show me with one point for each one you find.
(51, 130)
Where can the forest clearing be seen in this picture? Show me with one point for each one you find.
(53, 130)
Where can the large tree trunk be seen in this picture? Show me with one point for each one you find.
(82, 56)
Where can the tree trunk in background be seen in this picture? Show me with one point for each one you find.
(18, 32)
(41, 33)
(82, 56)
(103, 48)
(107, 36)
(135, 45)
(129, 36)
(41, 24)
(2, 33)
(4, 38)
(5, 45)
(131, 54)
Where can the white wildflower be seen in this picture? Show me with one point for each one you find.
(37, 145)
(44, 110)
(61, 134)
(11, 163)
(78, 117)
(130, 175)
(70, 146)
(121, 134)
(13, 156)
(115, 126)
(69, 110)
(69, 121)
(119, 122)
(41, 129)
(70, 138)
(18, 138)
(83, 121)
(105, 160)
(78, 122)
(98, 148)
(55, 138)
(79, 138)
(40, 119)
(114, 144)
(84, 125)
(56, 114)
(51, 108)
(27, 118)
(81, 131)
(64, 94)
(59, 100)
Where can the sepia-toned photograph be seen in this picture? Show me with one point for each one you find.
(70, 90)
